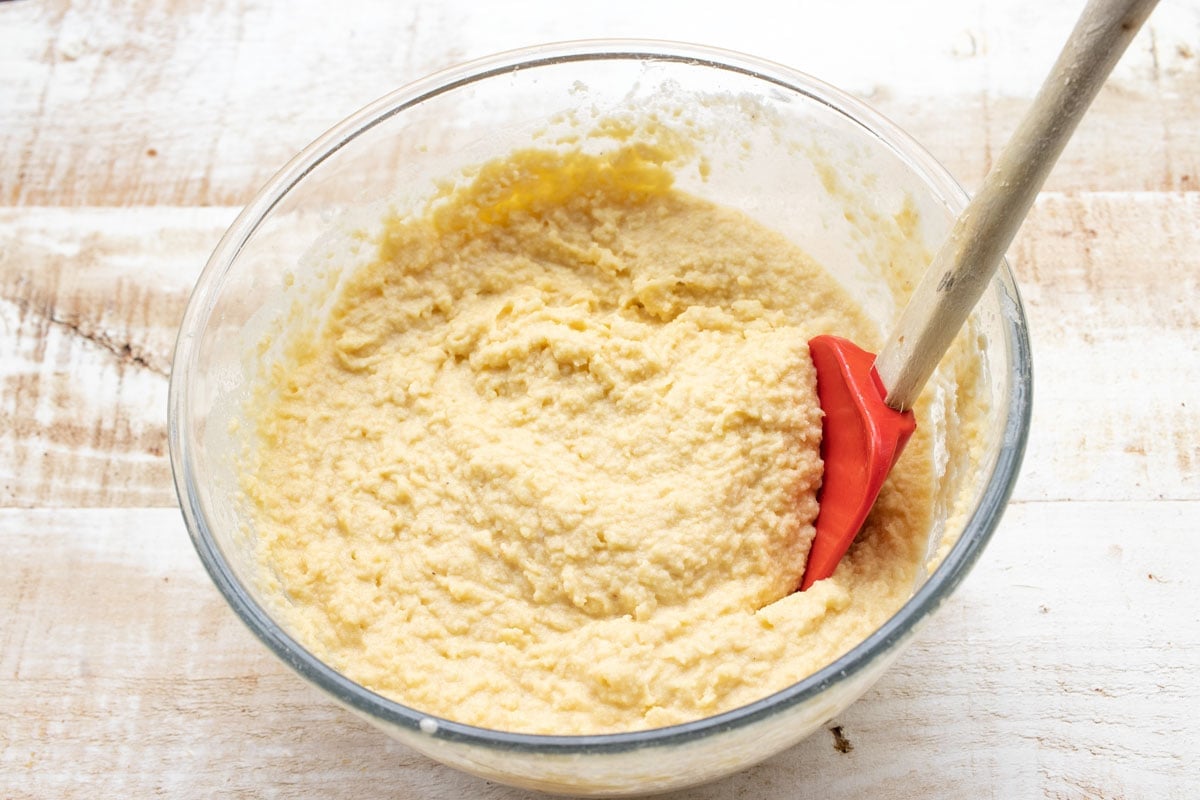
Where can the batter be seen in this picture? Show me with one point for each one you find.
(551, 464)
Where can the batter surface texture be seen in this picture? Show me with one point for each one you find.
(551, 465)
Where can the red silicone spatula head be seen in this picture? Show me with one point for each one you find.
(862, 435)
(861, 438)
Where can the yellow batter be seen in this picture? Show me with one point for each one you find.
(551, 465)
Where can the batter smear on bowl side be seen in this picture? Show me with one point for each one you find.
(551, 463)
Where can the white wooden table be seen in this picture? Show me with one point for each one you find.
(1066, 667)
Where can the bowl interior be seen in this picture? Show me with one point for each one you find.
(831, 175)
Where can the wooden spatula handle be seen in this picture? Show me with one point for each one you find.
(970, 255)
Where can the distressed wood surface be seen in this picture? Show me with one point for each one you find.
(197, 103)
(129, 134)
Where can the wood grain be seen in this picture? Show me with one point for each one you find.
(1116, 346)
(130, 132)
(197, 103)
(90, 302)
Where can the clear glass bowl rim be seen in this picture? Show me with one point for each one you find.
(939, 585)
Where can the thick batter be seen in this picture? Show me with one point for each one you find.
(551, 465)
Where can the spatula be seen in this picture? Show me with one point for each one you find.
(867, 399)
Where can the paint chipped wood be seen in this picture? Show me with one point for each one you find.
(90, 303)
(198, 103)
(129, 134)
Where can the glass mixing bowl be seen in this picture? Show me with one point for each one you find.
(792, 152)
